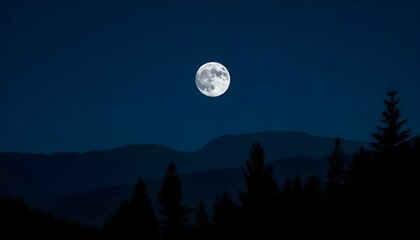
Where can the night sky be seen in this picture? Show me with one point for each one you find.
(87, 75)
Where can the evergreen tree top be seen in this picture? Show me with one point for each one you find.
(389, 133)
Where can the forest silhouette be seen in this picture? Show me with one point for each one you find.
(372, 191)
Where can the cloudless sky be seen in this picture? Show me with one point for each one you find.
(86, 75)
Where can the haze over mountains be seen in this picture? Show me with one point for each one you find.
(87, 186)
(93, 207)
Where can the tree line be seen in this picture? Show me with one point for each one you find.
(372, 191)
(369, 191)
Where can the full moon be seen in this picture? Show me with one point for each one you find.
(212, 79)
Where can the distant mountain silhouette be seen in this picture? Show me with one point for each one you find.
(233, 150)
(43, 179)
(93, 207)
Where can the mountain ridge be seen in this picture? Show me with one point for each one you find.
(93, 207)
(41, 178)
(175, 149)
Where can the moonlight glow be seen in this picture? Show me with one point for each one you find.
(212, 79)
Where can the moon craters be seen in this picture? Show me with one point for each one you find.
(212, 79)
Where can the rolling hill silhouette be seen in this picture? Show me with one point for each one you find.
(92, 208)
(64, 181)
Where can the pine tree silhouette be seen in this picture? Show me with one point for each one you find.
(390, 136)
(392, 152)
(146, 223)
(227, 217)
(202, 226)
(337, 172)
(134, 218)
(262, 193)
(262, 188)
(174, 213)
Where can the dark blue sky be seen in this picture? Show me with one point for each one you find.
(83, 75)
